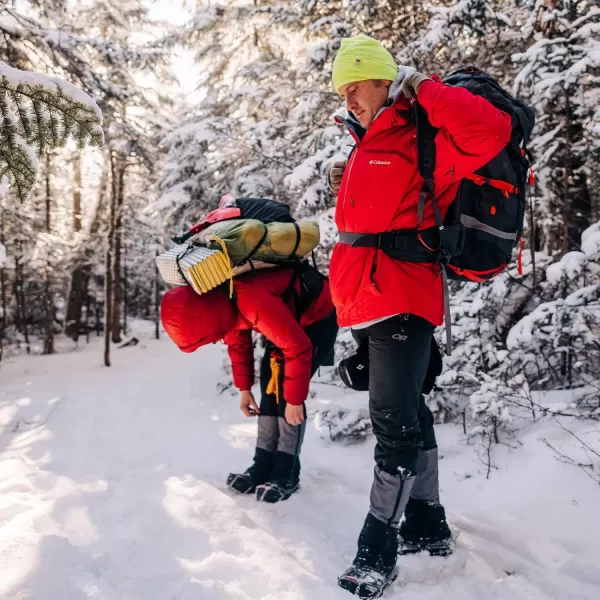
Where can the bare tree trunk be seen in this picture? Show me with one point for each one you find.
(74, 306)
(73, 319)
(49, 305)
(108, 300)
(117, 282)
(48, 300)
(20, 294)
(2, 292)
(97, 311)
(87, 310)
(124, 289)
(108, 278)
(77, 195)
(156, 302)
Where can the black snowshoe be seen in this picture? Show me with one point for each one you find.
(257, 474)
(284, 480)
(425, 529)
(374, 567)
(367, 582)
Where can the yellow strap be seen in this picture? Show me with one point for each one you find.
(273, 385)
(230, 273)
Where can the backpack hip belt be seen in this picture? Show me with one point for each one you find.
(418, 246)
(431, 245)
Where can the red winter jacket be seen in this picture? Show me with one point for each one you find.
(380, 192)
(262, 308)
(192, 321)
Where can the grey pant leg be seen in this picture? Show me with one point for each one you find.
(268, 433)
(290, 437)
(389, 496)
(427, 485)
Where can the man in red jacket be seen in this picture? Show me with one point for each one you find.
(395, 303)
(294, 312)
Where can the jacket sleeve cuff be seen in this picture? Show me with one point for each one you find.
(243, 382)
(295, 393)
(295, 400)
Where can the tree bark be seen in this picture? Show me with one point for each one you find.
(20, 294)
(2, 292)
(48, 300)
(124, 289)
(77, 195)
(98, 320)
(116, 275)
(75, 303)
(156, 302)
(108, 277)
(87, 309)
(108, 300)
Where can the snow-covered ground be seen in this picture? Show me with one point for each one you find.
(111, 488)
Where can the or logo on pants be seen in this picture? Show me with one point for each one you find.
(400, 337)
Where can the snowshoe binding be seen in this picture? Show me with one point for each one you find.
(274, 491)
(367, 582)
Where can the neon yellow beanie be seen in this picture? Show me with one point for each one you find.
(360, 58)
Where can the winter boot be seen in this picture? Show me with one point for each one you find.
(374, 567)
(284, 480)
(425, 528)
(259, 472)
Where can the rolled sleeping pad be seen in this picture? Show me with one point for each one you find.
(250, 238)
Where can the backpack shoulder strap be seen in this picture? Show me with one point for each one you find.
(311, 285)
(426, 133)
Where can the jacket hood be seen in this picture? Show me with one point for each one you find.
(192, 321)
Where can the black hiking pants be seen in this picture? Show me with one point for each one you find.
(406, 449)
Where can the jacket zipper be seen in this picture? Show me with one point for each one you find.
(347, 182)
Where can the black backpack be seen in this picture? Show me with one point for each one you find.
(485, 221)
(262, 209)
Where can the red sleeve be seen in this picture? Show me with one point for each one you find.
(471, 130)
(270, 316)
(241, 353)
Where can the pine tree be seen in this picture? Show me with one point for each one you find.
(39, 113)
(560, 77)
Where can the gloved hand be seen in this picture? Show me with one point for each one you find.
(335, 174)
(411, 83)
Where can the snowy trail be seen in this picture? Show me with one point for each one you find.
(111, 487)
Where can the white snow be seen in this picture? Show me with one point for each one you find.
(570, 265)
(111, 487)
(590, 242)
(4, 186)
(2, 255)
